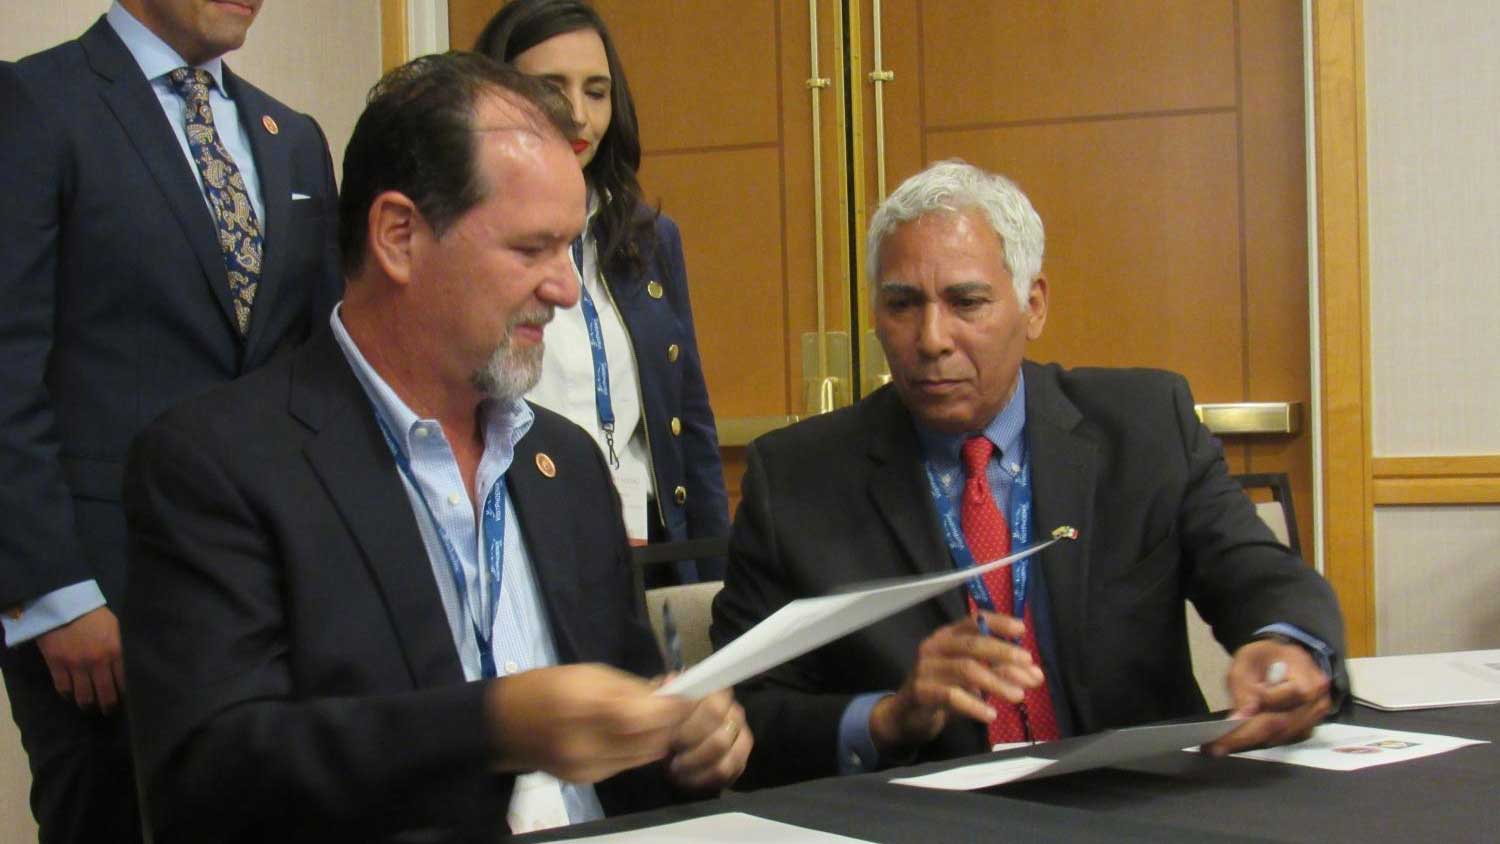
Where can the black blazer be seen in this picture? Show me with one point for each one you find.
(292, 673)
(114, 303)
(1117, 454)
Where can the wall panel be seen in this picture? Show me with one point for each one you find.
(1437, 579)
(1432, 81)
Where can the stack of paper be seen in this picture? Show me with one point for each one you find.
(1424, 681)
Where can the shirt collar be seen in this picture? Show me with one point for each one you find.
(504, 423)
(1006, 431)
(155, 57)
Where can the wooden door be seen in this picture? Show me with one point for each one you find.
(1161, 141)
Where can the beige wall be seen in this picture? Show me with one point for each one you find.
(1437, 578)
(318, 56)
(1432, 78)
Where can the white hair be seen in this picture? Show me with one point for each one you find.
(953, 187)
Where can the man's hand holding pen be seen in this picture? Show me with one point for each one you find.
(1278, 686)
(955, 668)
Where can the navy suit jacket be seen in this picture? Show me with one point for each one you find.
(292, 672)
(672, 387)
(1115, 453)
(114, 304)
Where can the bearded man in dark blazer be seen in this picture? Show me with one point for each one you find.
(374, 593)
(155, 244)
(970, 452)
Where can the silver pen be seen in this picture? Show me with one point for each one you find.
(673, 640)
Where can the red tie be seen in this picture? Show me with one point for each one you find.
(988, 538)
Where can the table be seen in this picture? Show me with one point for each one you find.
(1184, 797)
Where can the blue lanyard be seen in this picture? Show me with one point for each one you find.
(601, 360)
(1017, 516)
(493, 524)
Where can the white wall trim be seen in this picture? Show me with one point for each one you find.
(426, 27)
(1314, 313)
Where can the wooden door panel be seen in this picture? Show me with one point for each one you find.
(723, 201)
(466, 19)
(988, 62)
(1142, 239)
(703, 71)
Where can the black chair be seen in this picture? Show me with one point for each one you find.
(692, 603)
(1278, 513)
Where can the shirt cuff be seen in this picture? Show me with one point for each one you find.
(857, 753)
(1320, 650)
(51, 611)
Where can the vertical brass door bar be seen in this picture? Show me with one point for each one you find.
(815, 85)
(879, 77)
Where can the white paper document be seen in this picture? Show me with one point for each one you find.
(808, 623)
(1424, 681)
(1347, 747)
(1100, 750)
(735, 827)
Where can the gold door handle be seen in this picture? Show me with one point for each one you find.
(1256, 418)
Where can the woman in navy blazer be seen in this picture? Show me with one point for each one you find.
(659, 437)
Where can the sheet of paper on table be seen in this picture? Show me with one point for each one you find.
(1425, 681)
(734, 827)
(1100, 750)
(1348, 747)
(808, 623)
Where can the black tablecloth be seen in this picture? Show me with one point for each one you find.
(1452, 796)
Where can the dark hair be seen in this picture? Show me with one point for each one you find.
(416, 137)
(625, 225)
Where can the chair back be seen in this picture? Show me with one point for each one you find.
(1210, 661)
(692, 603)
(692, 611)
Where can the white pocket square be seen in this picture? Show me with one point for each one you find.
(297, 196)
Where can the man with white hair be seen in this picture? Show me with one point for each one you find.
(972, 452)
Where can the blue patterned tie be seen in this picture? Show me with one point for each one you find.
(234, 216)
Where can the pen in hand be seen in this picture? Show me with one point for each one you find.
(673, 640)
(1276, 673)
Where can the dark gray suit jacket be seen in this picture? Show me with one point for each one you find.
(292, 673)
(1117, 454)
(114, 304)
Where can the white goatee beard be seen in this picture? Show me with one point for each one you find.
(511, 372)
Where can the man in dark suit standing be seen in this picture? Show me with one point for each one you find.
(374, 592)
(168, 227)
(971, 452)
